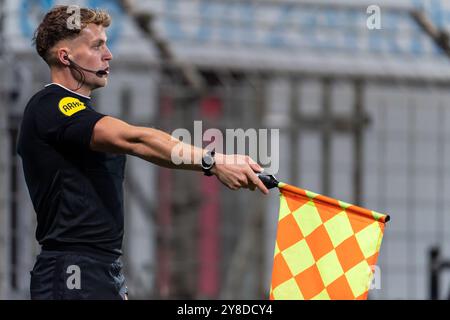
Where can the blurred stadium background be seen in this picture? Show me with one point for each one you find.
(363, 116)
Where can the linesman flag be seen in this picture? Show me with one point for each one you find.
(325, 248)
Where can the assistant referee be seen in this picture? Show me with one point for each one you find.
(74, 160)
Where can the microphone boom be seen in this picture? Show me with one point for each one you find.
(98, 73)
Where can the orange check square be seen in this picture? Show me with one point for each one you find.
(281, 271)
(288, 232)
(310, 282)
(349, 253)
(319, 242)
(340, 289)
(372, 259)
(296, 201)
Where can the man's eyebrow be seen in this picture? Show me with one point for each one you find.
(99, 41)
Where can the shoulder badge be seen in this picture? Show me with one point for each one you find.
(69, 106)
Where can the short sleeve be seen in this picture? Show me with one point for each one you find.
(65, 120)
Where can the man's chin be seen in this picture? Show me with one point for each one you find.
(100, 84)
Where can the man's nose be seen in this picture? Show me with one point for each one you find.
(108, 55)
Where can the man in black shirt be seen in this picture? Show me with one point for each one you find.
(74, 159)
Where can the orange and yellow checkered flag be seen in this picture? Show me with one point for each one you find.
(325, 248)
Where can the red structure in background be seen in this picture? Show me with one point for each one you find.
(208, 273)
(209, 217)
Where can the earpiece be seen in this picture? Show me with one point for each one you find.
(66, 57)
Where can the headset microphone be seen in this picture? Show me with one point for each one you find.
(101, 73)
(98, 73)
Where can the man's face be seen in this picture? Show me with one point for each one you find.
(89, 50)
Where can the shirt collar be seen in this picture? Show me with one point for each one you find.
(59, 85)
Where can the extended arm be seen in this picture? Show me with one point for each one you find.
(116, 136)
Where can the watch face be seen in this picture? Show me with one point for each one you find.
(208, 160)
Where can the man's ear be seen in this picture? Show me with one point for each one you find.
(63, 56)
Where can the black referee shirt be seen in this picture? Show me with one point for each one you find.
(77, 193)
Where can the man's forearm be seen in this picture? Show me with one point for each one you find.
(162, 149)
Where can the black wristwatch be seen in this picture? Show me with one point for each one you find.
(208, 162)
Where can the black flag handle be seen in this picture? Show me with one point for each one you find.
(269, 180)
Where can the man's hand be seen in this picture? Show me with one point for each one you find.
(238, 171)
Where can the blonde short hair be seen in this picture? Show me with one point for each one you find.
(54, 28)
